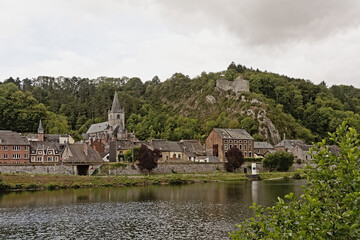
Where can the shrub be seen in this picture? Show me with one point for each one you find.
(175, 181)
(51, 186)
(329, 206)
(279, 161)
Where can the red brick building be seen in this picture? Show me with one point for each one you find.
(220, 140)
(14, 149)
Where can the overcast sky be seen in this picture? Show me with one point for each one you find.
(310, 39)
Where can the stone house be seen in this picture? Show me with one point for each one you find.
(82, 157)
(220, 140)
(192, 149)
(14, 149)
(170, 151)
(261, 148)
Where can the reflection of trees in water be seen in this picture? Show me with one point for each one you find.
(243, 193)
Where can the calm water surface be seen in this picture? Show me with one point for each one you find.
(196, 211)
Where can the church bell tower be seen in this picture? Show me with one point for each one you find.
(116, 116)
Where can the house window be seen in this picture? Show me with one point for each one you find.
(26, 156)
(56, 152)
(5, 148)
(179, 155)
(26, 148)
(33, 159)
(16, 148)
(39, 152)
(5, 156)
(245, 141)
(230, 146)
(249, 146)
(249, 154)
(225, 141)
(245, 147)
(245, 154)
(49, 152)
(167, 158)
(39, 159)
(16, 156)
(240, 146)
(225, 147)
(0, 147)
(118, 116)
(240, 141)
(230, 141)
(56, 159)
(235, 141)
(49, 159)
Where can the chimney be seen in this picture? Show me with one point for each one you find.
(40, 132)
(85, 149)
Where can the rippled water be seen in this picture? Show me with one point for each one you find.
(196, 211)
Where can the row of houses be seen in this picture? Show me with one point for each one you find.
(45, 148)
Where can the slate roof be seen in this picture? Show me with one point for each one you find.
(116, 104)
(228, 133)
(193, 147)
(12, 138)
(45, 145)
(127, 144)
(98, 127)
(166, 146)
(47, 137)
(263, 145)
(306, 147)
(289, 143)
(78, 154)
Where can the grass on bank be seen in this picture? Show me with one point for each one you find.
(17, 182)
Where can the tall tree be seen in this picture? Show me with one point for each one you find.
(234, 159)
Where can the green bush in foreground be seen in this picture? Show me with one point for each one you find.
(330, 205)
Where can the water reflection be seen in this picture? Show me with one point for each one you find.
(203, 211)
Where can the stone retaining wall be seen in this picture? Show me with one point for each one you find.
(44, 169)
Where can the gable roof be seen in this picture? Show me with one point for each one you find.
(44, 145)
(12, 138)
(166, 146)
(229, 133)
(263, 145)
(289, 143)
(79, 153)
(98, 127)
(193, 147)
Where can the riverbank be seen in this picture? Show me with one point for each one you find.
(21, 182)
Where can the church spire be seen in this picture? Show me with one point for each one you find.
(116, 104)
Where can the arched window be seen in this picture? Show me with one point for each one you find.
(118, 116)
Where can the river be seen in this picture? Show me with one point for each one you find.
(195, 211)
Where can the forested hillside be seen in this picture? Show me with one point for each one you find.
(180, 107)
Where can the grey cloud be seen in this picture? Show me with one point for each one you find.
(263, 22)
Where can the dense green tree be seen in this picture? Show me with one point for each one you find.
(278, 161)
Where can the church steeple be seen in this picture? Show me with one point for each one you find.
(116, 104)
(116, 116)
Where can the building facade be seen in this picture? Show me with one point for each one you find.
(14, 149)
(220, 140)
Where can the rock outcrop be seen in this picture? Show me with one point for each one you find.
(238, 86)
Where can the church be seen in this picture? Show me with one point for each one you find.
(113, 129)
